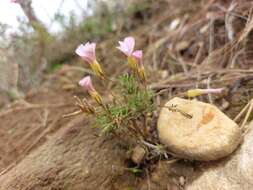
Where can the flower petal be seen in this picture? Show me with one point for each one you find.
(137, 54)
(127, 46)
(130, 43)
(87, 52)
(86, 83)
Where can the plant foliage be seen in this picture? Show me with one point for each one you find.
(132, 103)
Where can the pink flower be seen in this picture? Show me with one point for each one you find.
(140, 67)
(197, 92)
(127, 46)
(87, 52)
(212, 90)
(134, 58)
(138, 56)
(87, 84)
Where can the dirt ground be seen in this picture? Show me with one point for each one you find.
(65, 154)
(41, 150)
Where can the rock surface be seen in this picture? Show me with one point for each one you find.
(208, 135)
(233, 173)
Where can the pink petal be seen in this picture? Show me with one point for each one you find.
(123, 48)
(130, 43)
(127, 46)
(213, 90)
(86, 83)
(137, 54)
(87, 52)
(79, 50)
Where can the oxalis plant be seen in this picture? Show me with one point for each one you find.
(126, 115)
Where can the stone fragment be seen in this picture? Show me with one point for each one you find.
(138, 154)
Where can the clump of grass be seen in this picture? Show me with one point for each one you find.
(132, 103)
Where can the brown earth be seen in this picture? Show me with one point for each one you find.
(65, 154)
(42, 150)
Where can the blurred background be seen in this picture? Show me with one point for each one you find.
(11, 14)
(38, 40)
(37, 37)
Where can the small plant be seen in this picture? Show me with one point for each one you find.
(134, 170)
(126, 114)
(131, 104)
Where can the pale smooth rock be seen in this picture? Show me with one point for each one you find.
(138, 154)
(208, 135)
(233, 173)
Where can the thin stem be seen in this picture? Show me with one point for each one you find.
(174, 109)
(242, 112)
(247, 114)
(137, 128)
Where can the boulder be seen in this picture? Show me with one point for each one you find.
(233, 173)
(197, 131)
